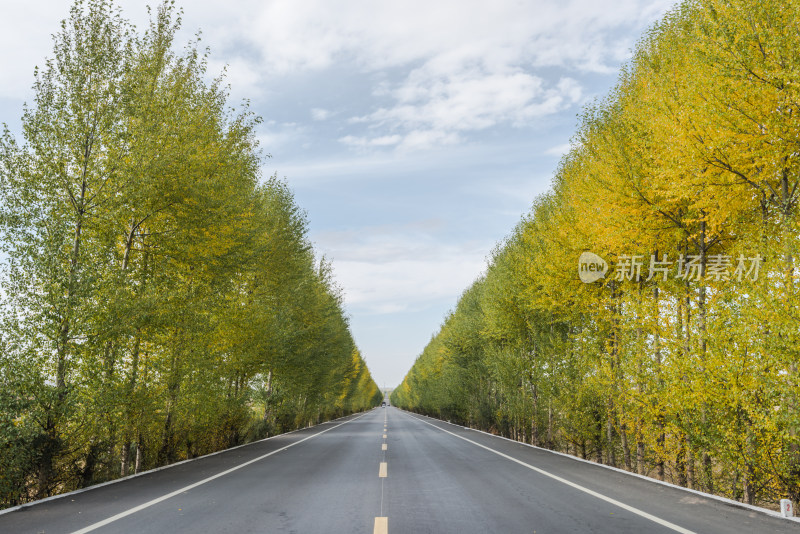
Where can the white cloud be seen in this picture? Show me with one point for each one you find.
(401, 286)
(362, 142)
(25, 40)
(314, 34)
(465, 101)
(424, 139)
(319, 114)
(394, 269)
(558, 150)
(274, 136)
(239, 74)
(432, 108)
(464, 65)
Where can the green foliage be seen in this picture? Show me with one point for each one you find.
(161, 299)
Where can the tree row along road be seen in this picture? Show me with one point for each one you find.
(386, 471)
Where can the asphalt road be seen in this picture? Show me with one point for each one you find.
(416, 476)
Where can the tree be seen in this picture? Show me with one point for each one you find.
(156, 289)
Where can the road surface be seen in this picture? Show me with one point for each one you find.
(387, 471)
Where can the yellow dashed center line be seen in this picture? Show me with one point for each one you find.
(381, 525)
(382, 522)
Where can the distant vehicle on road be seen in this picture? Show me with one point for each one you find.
(383, 404)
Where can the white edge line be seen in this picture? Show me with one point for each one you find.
(163, 467)
(131, 511)
(723, 500)
(615, 502)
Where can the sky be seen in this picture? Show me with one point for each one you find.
(415, 134)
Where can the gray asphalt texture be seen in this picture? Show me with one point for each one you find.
(436, 483)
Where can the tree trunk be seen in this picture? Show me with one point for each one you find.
(690, 476)
(45, 467)
(660, 440)
(268, 398)
(52, 445)
(139, 454)
(166, 454)
(626, 450)
(611, 456)
(534, 426)
(125, 458)
(787, 204)
(640, 457)
(680, 462)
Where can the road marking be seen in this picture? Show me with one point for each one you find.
(593, 493)
(383, 447)
(381, 525)
(384, 436)
(157, 500)
(382, 471)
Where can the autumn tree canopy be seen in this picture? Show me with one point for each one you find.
(681, 363)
